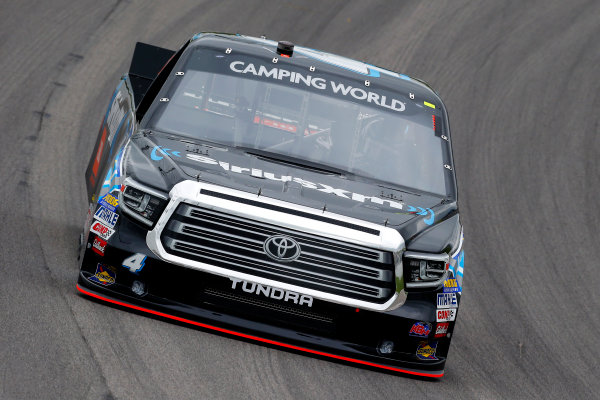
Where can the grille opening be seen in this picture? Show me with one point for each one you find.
(236, 243)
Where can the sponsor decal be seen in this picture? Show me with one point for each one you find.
(101, 230)
(105, 275)
(99, 245)
(158, 152)
(420, 329)
(447, 300)
(312, 185)
(426, 351)
(272, 292)
(446, 315)
(106, 216)
(441, 329)
(451, 286)
(109, 202)
(422, 211)
(282, 74)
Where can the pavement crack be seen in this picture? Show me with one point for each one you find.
(110, 12)
(43, 114)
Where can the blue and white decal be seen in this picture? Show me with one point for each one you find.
(106, 216)
(458, 261)
(111, 182)
(347, 63)
(447, 300)
(460, 264)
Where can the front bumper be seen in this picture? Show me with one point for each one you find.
(208, 301)
(263, 333)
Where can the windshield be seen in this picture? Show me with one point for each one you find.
(249, 102)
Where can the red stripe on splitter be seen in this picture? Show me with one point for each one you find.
(258, 339)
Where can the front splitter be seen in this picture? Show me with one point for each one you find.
(89, 292)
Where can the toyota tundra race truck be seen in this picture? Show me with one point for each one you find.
(279, 194)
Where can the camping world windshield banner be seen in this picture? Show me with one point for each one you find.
(290, 75)
(297, 78)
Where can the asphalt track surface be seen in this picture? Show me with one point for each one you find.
(520, 80)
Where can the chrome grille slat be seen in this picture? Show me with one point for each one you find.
(347, 267)
(290, 270)
(236, 243)
(228, 224)
(257, 246)
(258, 227)
(186, 229)
(233, 260)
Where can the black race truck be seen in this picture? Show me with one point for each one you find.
(280, 194)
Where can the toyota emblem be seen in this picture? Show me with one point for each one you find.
(282, 248)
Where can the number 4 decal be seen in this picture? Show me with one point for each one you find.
(135, 263)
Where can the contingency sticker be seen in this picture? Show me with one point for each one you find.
(441, 329)
(447, 300)
(426, 351)
(106, 216)
(99, 245)
(105, 275)
(420, 329)
(110, 202)
(445, 315)
(101, 230)
(451, 286)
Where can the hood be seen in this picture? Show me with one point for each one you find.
(161, 161)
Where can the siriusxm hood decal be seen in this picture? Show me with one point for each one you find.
(423, 211)
(159, 152)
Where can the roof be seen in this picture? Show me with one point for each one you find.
(323, 61)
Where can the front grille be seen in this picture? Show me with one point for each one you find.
(236, 243)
